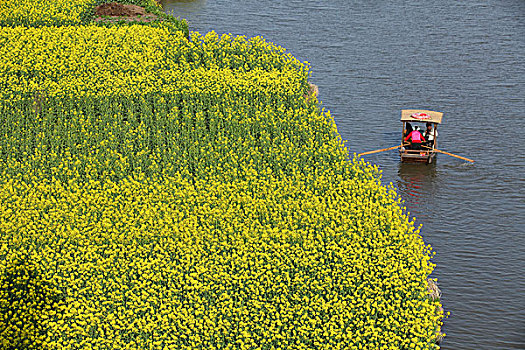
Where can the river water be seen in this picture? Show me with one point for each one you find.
(371, 59)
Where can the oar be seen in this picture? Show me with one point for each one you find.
(450, 154)
(453, 155)
(379, 150)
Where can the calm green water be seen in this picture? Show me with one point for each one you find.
(371, 59)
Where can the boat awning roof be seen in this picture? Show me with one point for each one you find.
(420, 115)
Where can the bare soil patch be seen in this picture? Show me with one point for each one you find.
(313, 91)
(113, 12)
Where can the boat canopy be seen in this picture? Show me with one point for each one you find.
(421, 115)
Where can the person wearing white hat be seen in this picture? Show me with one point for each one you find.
(429, 135)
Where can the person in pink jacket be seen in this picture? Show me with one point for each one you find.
(416, 138)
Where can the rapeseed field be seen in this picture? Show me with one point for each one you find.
(56, 13)
(161, 192)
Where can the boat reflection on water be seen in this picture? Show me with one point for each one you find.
(416, 184)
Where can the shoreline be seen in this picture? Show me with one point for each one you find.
(435, 294)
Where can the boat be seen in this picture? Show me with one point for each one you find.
(427, 153)
(424, 152)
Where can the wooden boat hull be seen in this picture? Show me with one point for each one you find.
(410, 156)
